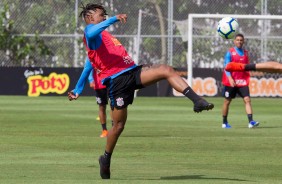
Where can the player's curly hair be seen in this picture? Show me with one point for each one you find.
(91, 6)
(239, 35)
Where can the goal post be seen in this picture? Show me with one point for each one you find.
(256, 27)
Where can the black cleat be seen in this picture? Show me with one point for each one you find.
(201, 105)
(105, 172)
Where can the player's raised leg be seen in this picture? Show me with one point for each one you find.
(235, 67)
(269, 66)
(150, 74)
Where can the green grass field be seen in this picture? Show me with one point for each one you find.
(52, 140)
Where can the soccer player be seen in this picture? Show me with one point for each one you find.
(269, 67)
(237, 82)
(100, 90)
(122, 76)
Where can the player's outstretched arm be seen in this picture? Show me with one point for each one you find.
(92, 31)
(74, 94)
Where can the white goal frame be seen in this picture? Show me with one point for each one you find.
(190, 33)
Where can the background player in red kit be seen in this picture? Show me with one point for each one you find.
(237, 82)
(100, 90)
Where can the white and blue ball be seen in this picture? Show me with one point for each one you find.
(227, 27)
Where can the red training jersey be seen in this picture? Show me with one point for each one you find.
(97, 81)
(110, 58)
(241, 78)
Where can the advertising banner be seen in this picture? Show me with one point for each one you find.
(34, 82)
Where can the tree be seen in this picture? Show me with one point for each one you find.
(18, 49)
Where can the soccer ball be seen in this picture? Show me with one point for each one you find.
(227, 27)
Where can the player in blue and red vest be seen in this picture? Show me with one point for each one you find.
(90, 73)
(122, 76)
(237, 82)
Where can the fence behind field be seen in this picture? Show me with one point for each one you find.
(48, 33)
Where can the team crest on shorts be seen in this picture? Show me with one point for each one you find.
(226, 94)
(120, 101)
(98, 100)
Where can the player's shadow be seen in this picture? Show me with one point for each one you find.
(197, 177)
(261, 127)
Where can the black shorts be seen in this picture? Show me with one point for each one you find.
(102, 96)
(230, 92)
(122, 88)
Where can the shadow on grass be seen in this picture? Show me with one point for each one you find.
(259, 127)
(197, 177)
(262, 127)
(187, 177)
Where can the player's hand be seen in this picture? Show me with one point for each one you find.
(122, 17)
(92, 84)
(72, 96)
(232, 82)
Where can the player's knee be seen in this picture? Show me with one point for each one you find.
(166, 69)
(227, 102)
(119, 127)
(247, 100)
